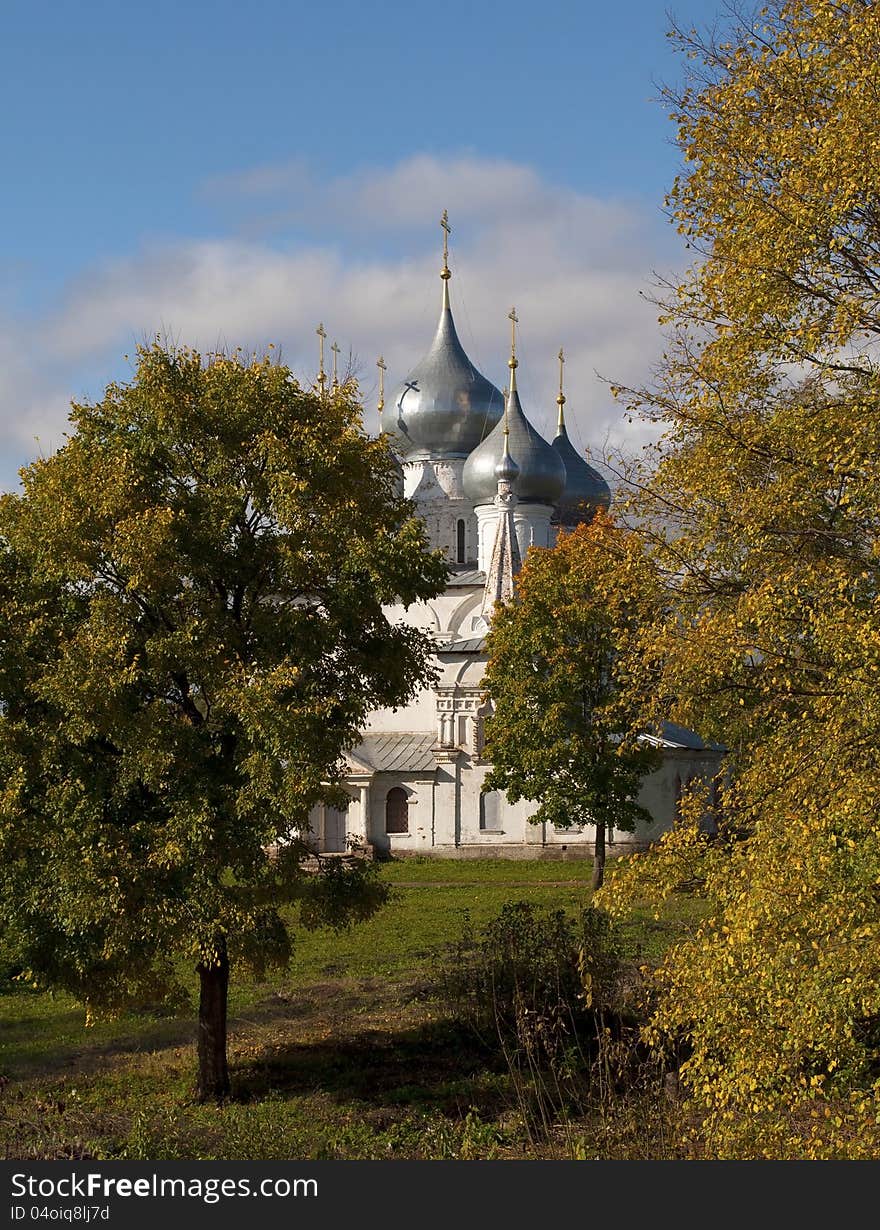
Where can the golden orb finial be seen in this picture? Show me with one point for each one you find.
(445, 273)
(513, 362)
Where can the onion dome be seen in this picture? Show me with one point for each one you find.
(507, 471)
(541, 471)
(445, 407)
(585, 488)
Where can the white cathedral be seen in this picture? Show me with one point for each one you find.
(488, 487)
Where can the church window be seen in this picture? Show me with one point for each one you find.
(460, 552)
(397, 811)
(490, 812)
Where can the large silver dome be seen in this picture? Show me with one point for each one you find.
(541, 470)
(445, 407)
(585, 488)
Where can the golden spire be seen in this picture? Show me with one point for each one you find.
(560, 400)
(445, 273)
(513, 362)
(335, 349)
(322, 375)
(380, 363)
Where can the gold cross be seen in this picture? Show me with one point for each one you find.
(447, 230)
(335, 350)
(514, 321)
(380, 363)
(322, 333)
(561, 397)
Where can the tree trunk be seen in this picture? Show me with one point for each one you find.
(213, 1082)
(599, 856)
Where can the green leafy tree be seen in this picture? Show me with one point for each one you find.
(191, 633)
(762, 515)
(559, 732)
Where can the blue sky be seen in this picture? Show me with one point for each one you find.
(234, 174)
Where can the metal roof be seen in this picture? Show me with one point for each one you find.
(472, 644)
(445, 407)
(541, 478)
(585, 488)
(400, 752)
(673, 736)
(471, 577)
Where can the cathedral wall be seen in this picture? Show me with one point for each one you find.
(420, 790)
(531, 523)
(448, 816)
(419, 715)
(436, 490)
(662, 789)
(447, 616)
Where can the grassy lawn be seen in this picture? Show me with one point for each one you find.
(343, 1054)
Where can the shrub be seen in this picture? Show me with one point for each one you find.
(556, 997)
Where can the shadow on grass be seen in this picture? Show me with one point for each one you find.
(350, 1040)
(47, 1045)
(426, 1068)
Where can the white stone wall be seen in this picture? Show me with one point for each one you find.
(435, 488)
(531, 522)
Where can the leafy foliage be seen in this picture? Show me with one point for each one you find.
(191, 633)
(762, 522)
(561, 731)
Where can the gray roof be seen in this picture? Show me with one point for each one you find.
(674, 736)
(400, 752)
(471, 577)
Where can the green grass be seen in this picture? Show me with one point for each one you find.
(424, 869)
(339, 1055)
(405, 935)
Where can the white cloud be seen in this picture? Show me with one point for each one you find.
(572, 264)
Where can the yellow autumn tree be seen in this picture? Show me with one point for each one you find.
(762, 512)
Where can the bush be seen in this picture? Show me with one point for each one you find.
(533, 977)
(560, 999)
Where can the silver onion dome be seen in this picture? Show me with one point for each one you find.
(507, 471)
(585, 488)
(445, 407)
(541, 471)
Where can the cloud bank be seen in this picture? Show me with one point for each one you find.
(362, 254)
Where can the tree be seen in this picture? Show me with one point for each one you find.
(559, 733)
(191, 633)
(762, 518)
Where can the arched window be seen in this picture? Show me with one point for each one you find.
(397, 811)
(460, 551)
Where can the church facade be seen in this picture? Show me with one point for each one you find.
(488, 487)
